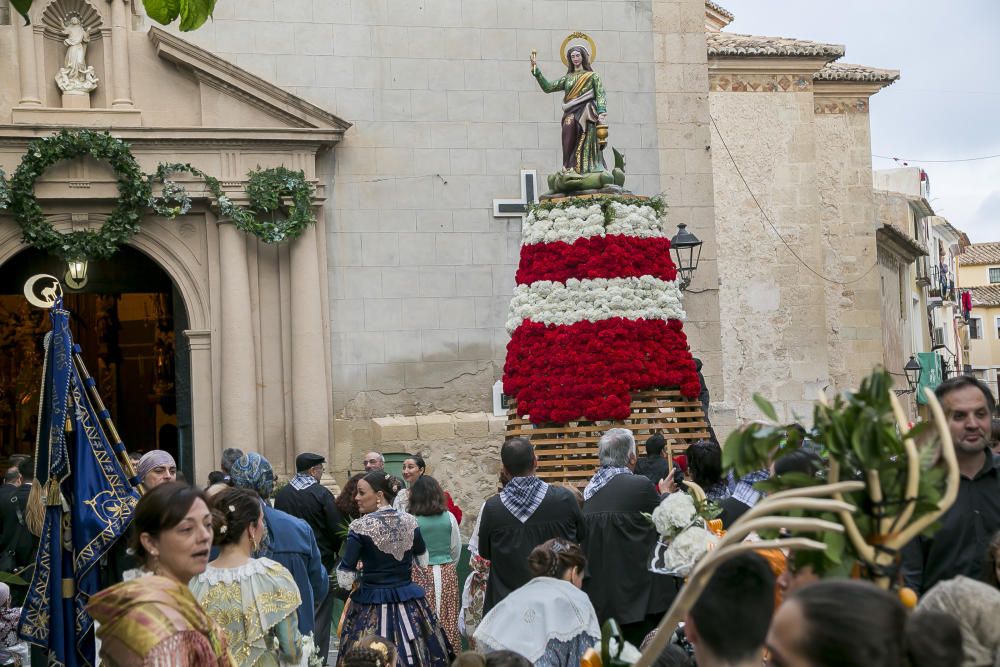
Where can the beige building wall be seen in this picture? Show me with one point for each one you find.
(846, 212)
(983, 352)
(773, 308)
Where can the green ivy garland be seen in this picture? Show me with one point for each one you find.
(4, 191)
(266, 190)
(124, 220)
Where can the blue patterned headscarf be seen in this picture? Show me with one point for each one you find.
(253, 471)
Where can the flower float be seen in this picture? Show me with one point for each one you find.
(596, 312)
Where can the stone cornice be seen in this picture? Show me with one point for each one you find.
(846, 80)
(277, 138)
(229, 78)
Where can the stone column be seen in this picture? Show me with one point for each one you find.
(239, 365)
(121, 92)
(27, 61)
(205, 450)
(310, 392)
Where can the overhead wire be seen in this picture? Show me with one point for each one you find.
(767, 218)
(964, 159)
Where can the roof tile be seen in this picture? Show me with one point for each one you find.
(848, 72)
(988, 295)
(734, 44)
(980, 253)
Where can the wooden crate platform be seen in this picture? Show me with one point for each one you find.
(568, 452)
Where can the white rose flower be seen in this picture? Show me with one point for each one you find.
(687, 549)
(674, 512)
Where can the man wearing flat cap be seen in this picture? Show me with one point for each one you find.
(312, 502)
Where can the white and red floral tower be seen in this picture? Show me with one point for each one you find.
(596, 314)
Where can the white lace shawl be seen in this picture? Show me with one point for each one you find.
(543, 609)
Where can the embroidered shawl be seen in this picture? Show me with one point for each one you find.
(250, 602)
(391, 531)
(156, 622)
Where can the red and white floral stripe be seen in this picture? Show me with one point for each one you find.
(613, 256)
(577, 222)
(596, 314)
(634, 298)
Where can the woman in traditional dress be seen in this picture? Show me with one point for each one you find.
(584, 107)
(13, 649)
(387, 602)
(155, 621)
(413, 468)
(438, 578)
(254, 599)
(549, 620)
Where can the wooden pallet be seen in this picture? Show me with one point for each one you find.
(568, 452)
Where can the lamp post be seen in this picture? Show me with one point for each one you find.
(912, 370)
(687, 253)
(76, 273)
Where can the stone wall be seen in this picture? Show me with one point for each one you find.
(773, 307)
(462, 451)
(846, 212)
(686, 174)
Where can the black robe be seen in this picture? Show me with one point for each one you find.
(315, 505)
(506, 542)
(619, 546)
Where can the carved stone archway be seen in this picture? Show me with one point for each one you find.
(258, 334)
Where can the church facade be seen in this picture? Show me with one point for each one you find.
(382, 327)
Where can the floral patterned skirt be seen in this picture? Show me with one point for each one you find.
(447, 605)
(410, 625)
(474, 598)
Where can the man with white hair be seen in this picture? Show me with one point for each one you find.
(374, 462)
(614, 503)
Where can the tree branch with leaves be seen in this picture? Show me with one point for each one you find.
(192, 13)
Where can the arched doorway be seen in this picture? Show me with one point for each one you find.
(128, 320)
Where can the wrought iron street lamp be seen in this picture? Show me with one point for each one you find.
(687, 253)
(912, 370)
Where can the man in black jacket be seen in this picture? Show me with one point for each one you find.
(525, 514)
(618, 533)
(959, 545)
(653, 466)
(17, 544)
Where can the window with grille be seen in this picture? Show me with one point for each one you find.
(975, 328)
(995, 274)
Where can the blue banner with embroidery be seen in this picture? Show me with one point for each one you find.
(89, 505)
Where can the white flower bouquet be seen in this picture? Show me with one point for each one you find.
(684, 536)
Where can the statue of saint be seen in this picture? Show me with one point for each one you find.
(75, 76)
(584, 129)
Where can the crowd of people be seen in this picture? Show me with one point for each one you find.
(251, 575)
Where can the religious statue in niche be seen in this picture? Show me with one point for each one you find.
(75, 77)
(584, 122)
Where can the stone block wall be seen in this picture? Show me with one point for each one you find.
(462, 451)
(847, 212)
(774, 333)
(686, 174)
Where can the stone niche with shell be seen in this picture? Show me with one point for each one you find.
(50, 28)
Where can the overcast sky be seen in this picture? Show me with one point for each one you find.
(946, 104)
